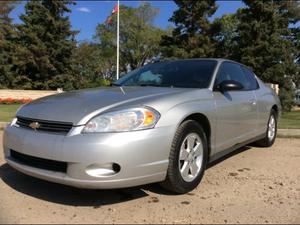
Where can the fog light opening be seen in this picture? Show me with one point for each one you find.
(116, 168)
(103, 170)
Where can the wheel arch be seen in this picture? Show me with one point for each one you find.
(205, 123)
(275, 107)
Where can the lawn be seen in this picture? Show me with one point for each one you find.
(7, 112)
(290, 120)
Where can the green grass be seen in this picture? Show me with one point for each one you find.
(7, 112)
(288, 136)
(290, 120)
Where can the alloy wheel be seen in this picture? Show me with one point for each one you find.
(272, 128)
(191, 157)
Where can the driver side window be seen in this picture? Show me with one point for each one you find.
(231, 71)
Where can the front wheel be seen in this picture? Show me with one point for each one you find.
(188, 158)
(271, 132)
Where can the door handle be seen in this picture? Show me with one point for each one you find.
(252, 102)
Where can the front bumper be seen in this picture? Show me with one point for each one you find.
(141, 155)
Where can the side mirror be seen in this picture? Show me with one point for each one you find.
(229, 85)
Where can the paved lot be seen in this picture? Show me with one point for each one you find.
(254, 186)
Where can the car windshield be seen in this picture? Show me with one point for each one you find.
(182, 73)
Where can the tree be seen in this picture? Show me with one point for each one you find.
(7, 50)
(291, 10)
(265, 45)
(227, 36)
(47, 45)
(296, 41)
(194, 34)
(139, 38)
(91, 65)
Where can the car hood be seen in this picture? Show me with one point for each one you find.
(75, 105)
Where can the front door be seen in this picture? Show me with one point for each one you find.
(236, 110)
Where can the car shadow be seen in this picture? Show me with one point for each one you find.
(229, 155)
(66, 195)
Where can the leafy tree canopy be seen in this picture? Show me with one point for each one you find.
(92, 66)
(139, 38)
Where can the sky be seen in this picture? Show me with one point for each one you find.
(87, 14)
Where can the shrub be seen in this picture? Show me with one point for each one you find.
(9, 101)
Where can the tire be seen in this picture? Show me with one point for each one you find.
(269, 139)
(178, 179)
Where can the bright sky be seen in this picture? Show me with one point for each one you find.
(87, 14)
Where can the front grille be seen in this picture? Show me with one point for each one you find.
(44, 125)
(40, 163)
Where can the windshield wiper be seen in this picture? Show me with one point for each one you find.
(115, 85)
(150, 85)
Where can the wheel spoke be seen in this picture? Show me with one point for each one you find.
(194, 168)
(191, 142)
(183, 153)
(185, 169)
(198, 149)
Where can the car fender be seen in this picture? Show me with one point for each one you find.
(180, 112)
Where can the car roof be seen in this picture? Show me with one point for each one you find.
(195, 59)
(219, 60)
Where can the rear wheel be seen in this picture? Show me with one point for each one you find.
(271, 132)
(188, 158)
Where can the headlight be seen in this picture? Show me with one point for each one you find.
(123, 120)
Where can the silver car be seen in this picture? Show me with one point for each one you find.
(163, 122)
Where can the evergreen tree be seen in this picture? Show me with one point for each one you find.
(47, 43)
(291, 11)
(227, 36)
(296, 42)
(7, 36)
(265, 46)
(193, 35)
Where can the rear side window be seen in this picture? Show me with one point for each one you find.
(236, 72)
(252, 82)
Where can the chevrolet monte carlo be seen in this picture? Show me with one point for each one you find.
(163, 123)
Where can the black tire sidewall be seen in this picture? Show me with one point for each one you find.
(185, 129)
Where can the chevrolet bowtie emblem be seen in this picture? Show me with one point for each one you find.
(34, 125)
